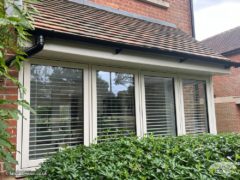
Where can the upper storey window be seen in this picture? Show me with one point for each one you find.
(160, 3)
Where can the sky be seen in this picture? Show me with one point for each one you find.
(215, 16)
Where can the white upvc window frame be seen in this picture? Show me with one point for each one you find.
(209, 98)
(179, 101)
(176, 95)
(25, 123)
(90, 103)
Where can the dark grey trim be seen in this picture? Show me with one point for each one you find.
(125, 13)
(192, 18)
(231, 52)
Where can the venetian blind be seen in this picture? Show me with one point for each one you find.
(115, 105)
(195, 107)
(160, 106)
(57, 97)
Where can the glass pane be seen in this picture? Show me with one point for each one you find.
(160, 106)
(115, 104)
(195, 106)
(57, 98)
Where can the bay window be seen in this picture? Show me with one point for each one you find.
(82, 104)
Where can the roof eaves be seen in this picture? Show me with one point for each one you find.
(182, 56)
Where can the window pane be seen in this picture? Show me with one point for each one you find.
(160, 106)
(196, 119)
(57, 98)
(115, 104)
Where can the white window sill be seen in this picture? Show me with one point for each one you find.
(160, 3)
(237, 100)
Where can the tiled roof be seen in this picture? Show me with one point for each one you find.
(225, 42)
(71, 18)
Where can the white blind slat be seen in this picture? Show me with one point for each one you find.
(57, 97)
(195, 107)
(160, 109)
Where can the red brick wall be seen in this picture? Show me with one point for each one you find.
(228, 114)
(228, 85)
(228, 117)
(9, 91)
(178, 13)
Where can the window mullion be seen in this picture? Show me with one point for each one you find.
(138, 106)
(143, 104)
(211, 106)
(179, 103)
(86, 107)
(93, 128)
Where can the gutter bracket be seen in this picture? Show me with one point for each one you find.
(227, 66)
(118, 50)
(182, 60)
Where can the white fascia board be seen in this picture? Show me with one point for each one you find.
(101, 55)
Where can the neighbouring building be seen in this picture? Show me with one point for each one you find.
(227, 87)
(105, 67)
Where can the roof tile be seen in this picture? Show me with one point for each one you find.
(77, 19)
(225, 42)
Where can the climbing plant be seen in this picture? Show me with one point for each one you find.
(15, 22)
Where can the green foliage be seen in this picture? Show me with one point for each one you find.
(15, 21)
(186, 157)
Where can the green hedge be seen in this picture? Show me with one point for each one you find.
(186, 157)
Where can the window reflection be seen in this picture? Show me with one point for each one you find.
(195, 106)
(57, 98)
(115, 104)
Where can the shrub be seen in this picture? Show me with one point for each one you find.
(186, 157)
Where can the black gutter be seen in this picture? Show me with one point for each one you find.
(192, 18)
(37, 47)
(116, 45)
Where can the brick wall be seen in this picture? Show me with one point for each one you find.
(178, 13)
(228, 113)
(228, 85)
(228, 117)
(9, 91)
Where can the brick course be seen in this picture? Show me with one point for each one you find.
(9, 91)
(178, 13)
(228, 117)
